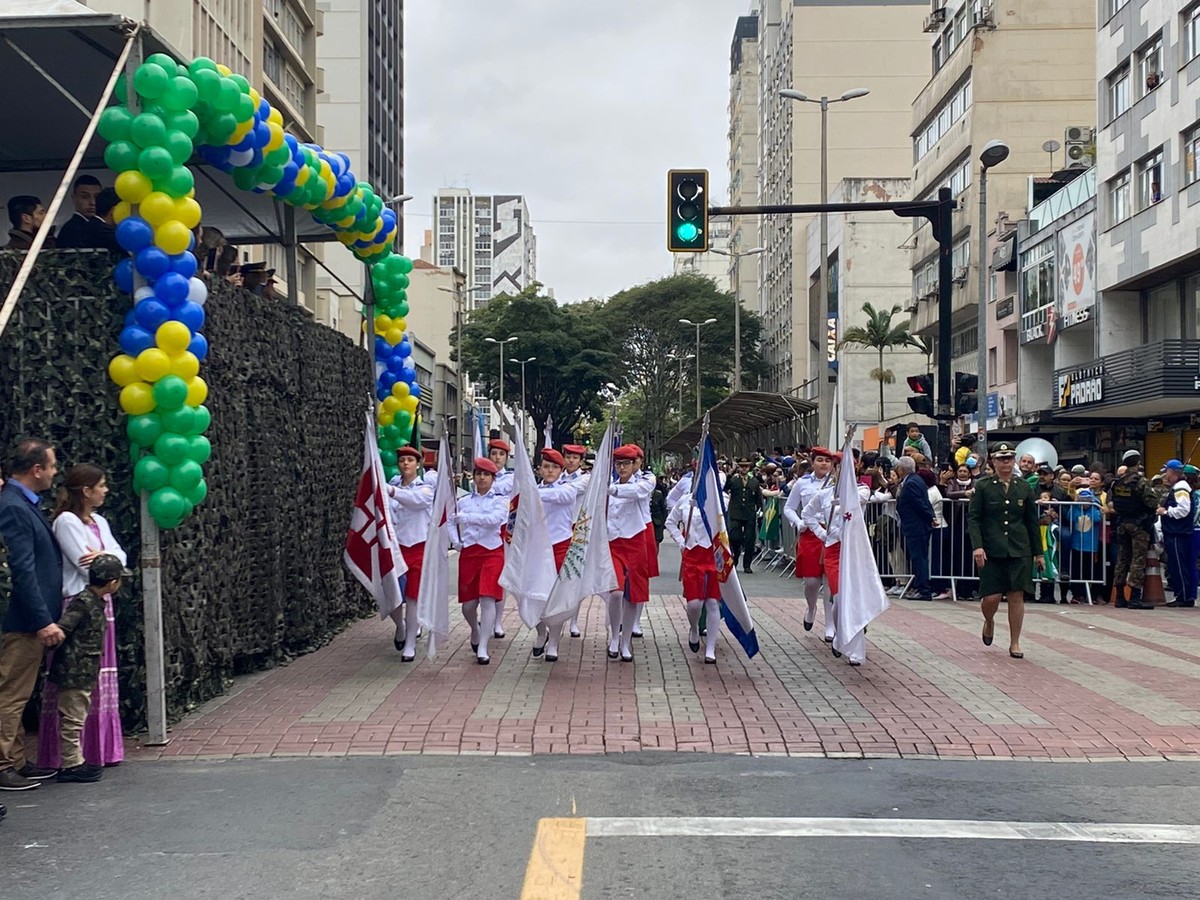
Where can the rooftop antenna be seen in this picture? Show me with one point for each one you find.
(1050, 147)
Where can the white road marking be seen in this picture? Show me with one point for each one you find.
(973, 829)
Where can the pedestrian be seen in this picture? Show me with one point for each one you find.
(745, 500)
(1005, 538)
(560, 502)
(627, 543)
(479, 516)
(499, 451)
(1085, 523)
(29, 627)
(810, 548)
(411, 497)
(915, 442)
(938, 559)
(659, 511)
(83, 535)
(769, 530)
(1177, 517)
(698, 572)
(917, 522)
(1134, 502)
(573, 459)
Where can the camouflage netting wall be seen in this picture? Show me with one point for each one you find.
(256, 575)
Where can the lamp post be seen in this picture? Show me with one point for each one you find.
(824, 395)
(459, 315)
(737, 312)
(697, 326)
(994, 153)
(524, 415)
(500, 344)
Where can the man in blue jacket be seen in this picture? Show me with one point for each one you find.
(917, 522)
(29, 624)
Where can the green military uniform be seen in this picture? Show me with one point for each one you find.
(745, 499)
(1134, 501)
(77, 660)
(1004, 523)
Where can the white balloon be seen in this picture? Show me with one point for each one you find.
(197, 291)
(142, 293)
(1040, 449)
(241, 157)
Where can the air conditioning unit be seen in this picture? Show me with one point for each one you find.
(960, 275)
(1080, 143)
(935, 20)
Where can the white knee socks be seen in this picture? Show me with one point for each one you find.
(628, 616)
(829, 629)
(488, 607)
(714, 627)
(397, 617)
(812, 589)
(470, 612)
(616, 600)
(693, 614)
(498, 626)
(637, 619)
(555, 632)
(411, 629)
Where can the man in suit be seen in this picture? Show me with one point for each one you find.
(80, 229)
(29, 624)
(917, 522)
(745, 500)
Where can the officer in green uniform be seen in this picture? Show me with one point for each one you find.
(1003, 523)
(1134, 501)
(745, 500)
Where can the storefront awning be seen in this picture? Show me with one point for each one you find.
(744, 420)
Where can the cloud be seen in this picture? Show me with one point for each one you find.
(582, 108)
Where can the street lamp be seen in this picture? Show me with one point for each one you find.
(697, 326)
(523, 363)
(459, 315)
(824, 395)
(737, 313)
(507, 340)
(399, 198)
(993, 153)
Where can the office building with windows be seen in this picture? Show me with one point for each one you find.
(743, 271)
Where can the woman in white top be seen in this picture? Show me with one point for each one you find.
(937, 539)
(478, 518)
(82, 535)
(698, 572)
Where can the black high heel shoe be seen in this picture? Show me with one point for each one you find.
(694, 646)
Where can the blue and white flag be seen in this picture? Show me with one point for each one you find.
(710, 502)
(480, 443)
(548, 433)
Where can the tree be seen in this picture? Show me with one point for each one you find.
(879, 334)
(574, 356)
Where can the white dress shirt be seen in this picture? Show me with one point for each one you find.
(686, 515)
(683, 487)
(412, 505)
(625, 507)
(802, 491)
(479, 518)
(649, 476)
(74, 540)
(816, 514)
(504, 483)
(560, 502)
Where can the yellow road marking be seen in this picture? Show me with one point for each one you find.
(555, 870)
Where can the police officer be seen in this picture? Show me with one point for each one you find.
(745, 500)
(1134, 502)
(1003, 523)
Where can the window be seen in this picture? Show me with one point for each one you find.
(1191, 32)
(1191, 154)
(1118, 198)
(1150, 71)
(1114, 6)
(1037, 277)
(1118, 92)
(939, 123)
(1150, 179)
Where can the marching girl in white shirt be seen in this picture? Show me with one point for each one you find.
(479, 518)
(412, 504)
(651, 543)
(701, 589)
(560, 502)
(627, 543)
(499, 451)
(573, 457)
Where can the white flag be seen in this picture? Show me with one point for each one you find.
(861, 596)
(588, 567)
(433, 598)
(529, 558)
(548, 432)
(372, 553)
(477, 415)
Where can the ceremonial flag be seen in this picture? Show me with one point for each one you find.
(711, 503)
(861, 596)
(587, 568)
(529, 572)
(372, 552)
(548, 432)
(480, 443)
(433, 598)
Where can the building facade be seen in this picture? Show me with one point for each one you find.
(713, 264)
(743, 271)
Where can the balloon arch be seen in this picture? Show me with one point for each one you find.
(205, 108)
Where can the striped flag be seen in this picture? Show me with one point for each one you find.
(372, 552)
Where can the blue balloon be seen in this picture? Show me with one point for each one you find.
(151, 263)
(264, 109)
(135, 339)
(386, 380)
(405, 347)
(134, 233)
(382, 393)
(198, 346)
(190, 314)
(408, 376)
(183, 265)
(246, 143)
(129, 319)
(382, 348)
(395, 363)
(262, 135)
(123, 274)
(151, 313)
(172, 289)
(414, 389)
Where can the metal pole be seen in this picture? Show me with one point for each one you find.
(943, 225)
(698, 371)
(290, 261)
(524, 423)
(981, 391)
(460, 414)
(681, 392)
(501, 416)
(737, 327)
(824, 394)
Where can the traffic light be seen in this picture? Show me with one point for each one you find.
(687, 210)
(966, 393)
(922, 386)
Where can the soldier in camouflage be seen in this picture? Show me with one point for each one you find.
(1134, 501)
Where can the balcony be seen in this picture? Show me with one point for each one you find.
(1033, 323)
(1159, 379)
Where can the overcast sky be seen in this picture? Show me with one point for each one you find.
(581, 107)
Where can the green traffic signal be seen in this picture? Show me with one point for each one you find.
(687, 210)
(687, 232)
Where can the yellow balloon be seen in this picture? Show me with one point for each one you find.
(382, 324)
(410, 404)
(400, 390)
(276, 140)
(346, 223)
(172, 237)
(197, 391)
(187, 211)
(256, 97)
(302, 175)
(157, 208)
(123, 369)
(185, 365)
(346, 238)
(386, 418)
(137, 398)
(400, 322)
(240, 132)
(224, 69)
(275, 117)
(391, 404)
(122, 211)
(132, 186)
(173, 338)
(394, 335)
(153, 364)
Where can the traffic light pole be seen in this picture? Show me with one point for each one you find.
(939, 213)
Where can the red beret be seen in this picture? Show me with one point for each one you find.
(638, 450)
(821, 451)
(483, 464)
(430, 459)
(497, 444)
(574, 448)
(626, 451)
(409, 450)
(837, 457)
(553, 456)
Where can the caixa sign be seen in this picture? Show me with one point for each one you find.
(1081, 387)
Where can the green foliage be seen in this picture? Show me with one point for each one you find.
(880, 334)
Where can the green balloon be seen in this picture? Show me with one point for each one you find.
(197, 494)
(181, 94)
(179, 420)
(184, 122)
(403, 420)
(167, 63)
(170, 393)
(167, 506)
(121, 156)
(200, 449)
(280, 156)
(405, 265)
(171, 448)
(401, 309)
(185, 476)
(390, 472)
(270, 174)
(227, 97)
(222, 126)
(208, 83)
(151, 80)
(201, 420)
(148, 130)
(243, 85)
(114, 124)
(144, 430)
(155, 162)
(201, 64)
(247, 177)
(179, 145)
(245, 108)
(149, 474)
(121, 91)
(176, 183)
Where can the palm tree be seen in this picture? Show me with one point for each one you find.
(880, 334)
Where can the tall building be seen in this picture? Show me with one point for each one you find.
(713, 264)
(743, 162)
(489, 238)
(824, 47)
(1022, 72)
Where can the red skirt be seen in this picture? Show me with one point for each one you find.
(414, 558)
(808, 555)
(700, 574)
(560, 553)
(629, 562)
(479, 573)
(827, 563)
(651, 552)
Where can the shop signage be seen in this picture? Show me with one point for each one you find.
(1081, 387)
(1076, 260)
(1004, 308)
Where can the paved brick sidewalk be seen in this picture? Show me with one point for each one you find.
(1096, 683)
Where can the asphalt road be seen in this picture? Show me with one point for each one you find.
(450, 827)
